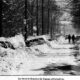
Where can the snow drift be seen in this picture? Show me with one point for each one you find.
(23, 61)
(17, 41)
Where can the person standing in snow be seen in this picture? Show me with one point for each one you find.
(69, 38)
(73, 38)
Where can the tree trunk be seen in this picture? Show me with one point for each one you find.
(43, 17)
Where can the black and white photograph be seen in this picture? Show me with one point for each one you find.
(40, 38)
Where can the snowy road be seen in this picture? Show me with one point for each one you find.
(60, 62)
(66, 63)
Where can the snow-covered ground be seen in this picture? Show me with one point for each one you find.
(61, 42)
(27, 61)
(17, 41)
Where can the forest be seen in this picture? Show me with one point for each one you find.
(42, 17)
(38, 13)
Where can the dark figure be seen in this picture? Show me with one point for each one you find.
(69, 38)
(73, 38)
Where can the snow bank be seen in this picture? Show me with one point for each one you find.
(17, 41)
(61, 40)
(19, 62)
(2, 39)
